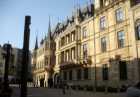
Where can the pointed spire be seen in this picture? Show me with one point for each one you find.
(45, 37)
(67, 20)
(36, 44)
(90, 1)
(88, 7)
(80, 16)
(49, 29)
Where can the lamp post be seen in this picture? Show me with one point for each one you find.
(7, 48)
(25, 57)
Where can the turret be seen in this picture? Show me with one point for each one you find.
(79, 16)
(49, 30)
(49, 35)
(36, 44)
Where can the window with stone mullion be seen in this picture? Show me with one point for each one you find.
(102, 23)
(84, 32)
(119, 15)
(85, 51)
(73, 53)
(138, 32)
(62, 57)
(103, 44)
(121, 38)
(73, 36)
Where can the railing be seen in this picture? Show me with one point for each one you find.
(77, 62)
(85, 61)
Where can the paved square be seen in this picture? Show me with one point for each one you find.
(44, 92)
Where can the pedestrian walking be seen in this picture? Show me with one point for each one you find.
(70, 88)
(63, 90)
(63, 86)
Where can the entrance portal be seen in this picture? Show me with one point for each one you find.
(42, 82)
(56, 80)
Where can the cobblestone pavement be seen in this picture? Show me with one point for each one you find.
(44, 92)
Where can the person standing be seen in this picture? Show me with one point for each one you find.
(63, 89)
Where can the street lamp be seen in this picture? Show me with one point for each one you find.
(7, 48)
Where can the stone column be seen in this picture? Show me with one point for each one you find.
(46, 80)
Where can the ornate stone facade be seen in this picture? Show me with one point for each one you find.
(98, 45)
(106, 48)
(43, 60)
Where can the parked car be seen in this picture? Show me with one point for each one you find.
(133, 91)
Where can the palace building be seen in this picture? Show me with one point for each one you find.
(98, 45)
(43, 60)
(73, 39)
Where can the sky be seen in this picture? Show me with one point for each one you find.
(13, 12)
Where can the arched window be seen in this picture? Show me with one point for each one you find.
(137, 27)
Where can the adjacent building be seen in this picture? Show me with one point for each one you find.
(14, 64)
(1, 63)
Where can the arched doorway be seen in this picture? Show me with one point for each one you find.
(56, 79)
(42, 82)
